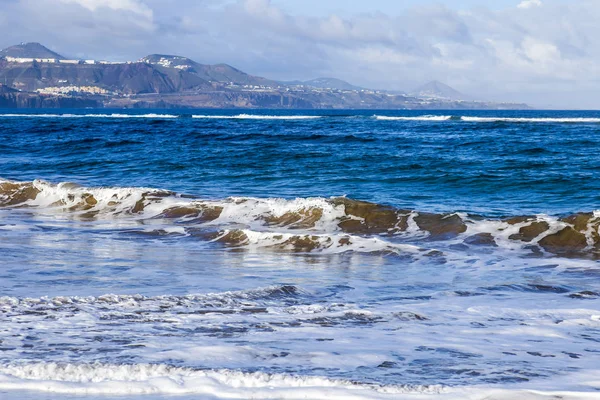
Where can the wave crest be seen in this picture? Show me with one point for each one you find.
(258, 117)
(335, 224)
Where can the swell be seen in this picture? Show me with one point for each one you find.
(335, 224)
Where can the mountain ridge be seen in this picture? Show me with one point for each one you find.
(162, 80)
(30, 50)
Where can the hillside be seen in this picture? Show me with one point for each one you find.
(212, 73)
(324, 83)
(135, 78)
(33, 76)
(5, 89)
(30, 50)
(439, 90)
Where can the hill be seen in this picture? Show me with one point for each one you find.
(324, 83)
(438, 90)
(160, 80)
(134, 78)
(212, 73)
(30, 50)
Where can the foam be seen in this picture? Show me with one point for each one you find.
(159, 379)
(320, 224)
(535, 120)
(258, 117)
(163, 379)
(419, 118)
(322, 243)
(230, 299)
(433, 118)
(151, 116)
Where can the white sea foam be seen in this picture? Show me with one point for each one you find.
(323, 243)
(151, 116)
(164, 379)
(109, 200)
(487, 119)
(417, 118)
(255, 116)
(546, 120)
(230, 299)
(276, 222)
(248, 210)
(157, 379)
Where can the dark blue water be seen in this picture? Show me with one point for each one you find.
(230, 254)
(499, 168)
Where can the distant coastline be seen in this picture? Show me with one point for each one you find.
(32, 76)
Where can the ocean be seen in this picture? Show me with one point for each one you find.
(219, 254)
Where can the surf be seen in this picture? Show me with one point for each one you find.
(334, 224)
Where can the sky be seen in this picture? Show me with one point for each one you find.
(542, 52)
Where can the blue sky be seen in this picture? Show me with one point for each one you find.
(544, 52)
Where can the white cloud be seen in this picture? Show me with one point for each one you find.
(530, 4)
(484, 52)
(135, 6)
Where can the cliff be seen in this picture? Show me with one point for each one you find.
(30, 100)
(34, 76)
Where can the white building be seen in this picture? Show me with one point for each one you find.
(19, 59)
(30, 60)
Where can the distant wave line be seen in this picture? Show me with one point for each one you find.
(442, 118)
(254, 116)
(533, 119)
(417, 118)
(155, 116)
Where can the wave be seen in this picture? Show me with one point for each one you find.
(254, 116)
(241, 300)
(151, 116)
(325, 225)
(425, 118)
(486, 119)
(418, 118)
(306, 243)
(127, 379)
(542, 120)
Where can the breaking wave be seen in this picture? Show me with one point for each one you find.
(419, 118)
(325, 225)
(534, 120)
(254, 116)
(425, 118)
(126, 379)
(191, 302)
(151, 116)
(432, 118)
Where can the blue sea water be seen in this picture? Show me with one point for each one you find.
(286, 253)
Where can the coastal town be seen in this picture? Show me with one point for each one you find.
(26, 60)
(28, 70)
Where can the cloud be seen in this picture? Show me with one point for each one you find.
(127, 5)
(505, 54)
(530, 4)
